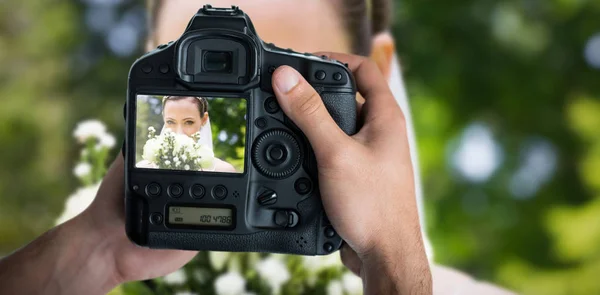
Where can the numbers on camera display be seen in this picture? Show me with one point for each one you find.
(201, 216)
(215, 219)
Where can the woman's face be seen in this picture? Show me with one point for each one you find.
(182, 116)
(305, 26)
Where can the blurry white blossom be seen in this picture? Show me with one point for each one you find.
(185, 293)
(335, 288)
(82, 169)
(317, 263)
(89, 129)
(107, 141)
(231, 283)
(218, 259)
(352, 284)
(274, 271)
(175, 278)
(78, 202)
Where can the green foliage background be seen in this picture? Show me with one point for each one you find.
(515, 66)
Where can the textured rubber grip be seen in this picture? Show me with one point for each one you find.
(342, 107)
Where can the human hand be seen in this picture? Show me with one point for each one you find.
(366, 180)
(106, 219)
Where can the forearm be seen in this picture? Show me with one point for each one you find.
(68, 259)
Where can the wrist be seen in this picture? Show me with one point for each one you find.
(397, 266)
(86, 263)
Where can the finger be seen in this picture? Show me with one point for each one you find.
(350, 259)
(304, 106)
(371, 84)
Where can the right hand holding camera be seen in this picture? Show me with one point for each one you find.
(366, 180)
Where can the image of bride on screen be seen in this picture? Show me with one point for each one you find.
(185, 139)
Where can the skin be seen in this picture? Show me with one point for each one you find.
(90, 254)
(182, 116)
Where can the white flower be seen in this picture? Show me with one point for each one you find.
(274, 271)
(151, 149)
(107, 141)
(151, 129)
(176, 159)
(231, 283)
(167, 162)
(352, 284)
(217, 259)
(175, 278)
(186, 167)
(89, 129)
(82, 169)
(77, 202)
(335, 288)
(317, 263)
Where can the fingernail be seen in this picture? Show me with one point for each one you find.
(286, 79)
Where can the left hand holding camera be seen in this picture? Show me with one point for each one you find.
(89, 254)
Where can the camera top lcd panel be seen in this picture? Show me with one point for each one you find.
(212, 163)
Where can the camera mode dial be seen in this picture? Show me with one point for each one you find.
(276, 154)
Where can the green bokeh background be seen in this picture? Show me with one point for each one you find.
(515, 67)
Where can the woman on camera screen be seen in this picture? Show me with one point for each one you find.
(185, 139)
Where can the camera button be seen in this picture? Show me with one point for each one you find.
(337, 76)
(320, 75)
(219, 192)
(153, 189)
(175, 190)
(147, 68)
(271, 105)
(276, 154)
(164, 68)
(285, 218)
(328, 247)
(156, 218)
(197, 191)
(260, 123)
(303, 186)
(329, 232)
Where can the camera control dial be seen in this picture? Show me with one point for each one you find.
(276, 154)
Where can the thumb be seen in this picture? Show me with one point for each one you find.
(301, 103)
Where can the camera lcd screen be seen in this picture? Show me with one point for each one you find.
(190, 133)
(219, 217)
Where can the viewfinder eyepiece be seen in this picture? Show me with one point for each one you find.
(216, 62)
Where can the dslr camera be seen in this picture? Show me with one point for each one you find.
(212, 162)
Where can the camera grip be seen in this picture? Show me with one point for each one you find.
(342, 108)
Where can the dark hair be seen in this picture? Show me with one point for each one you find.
(362, 18)
(201, 102)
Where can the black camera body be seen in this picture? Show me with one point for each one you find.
(274, 205)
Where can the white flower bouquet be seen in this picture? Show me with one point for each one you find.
(170, 150)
